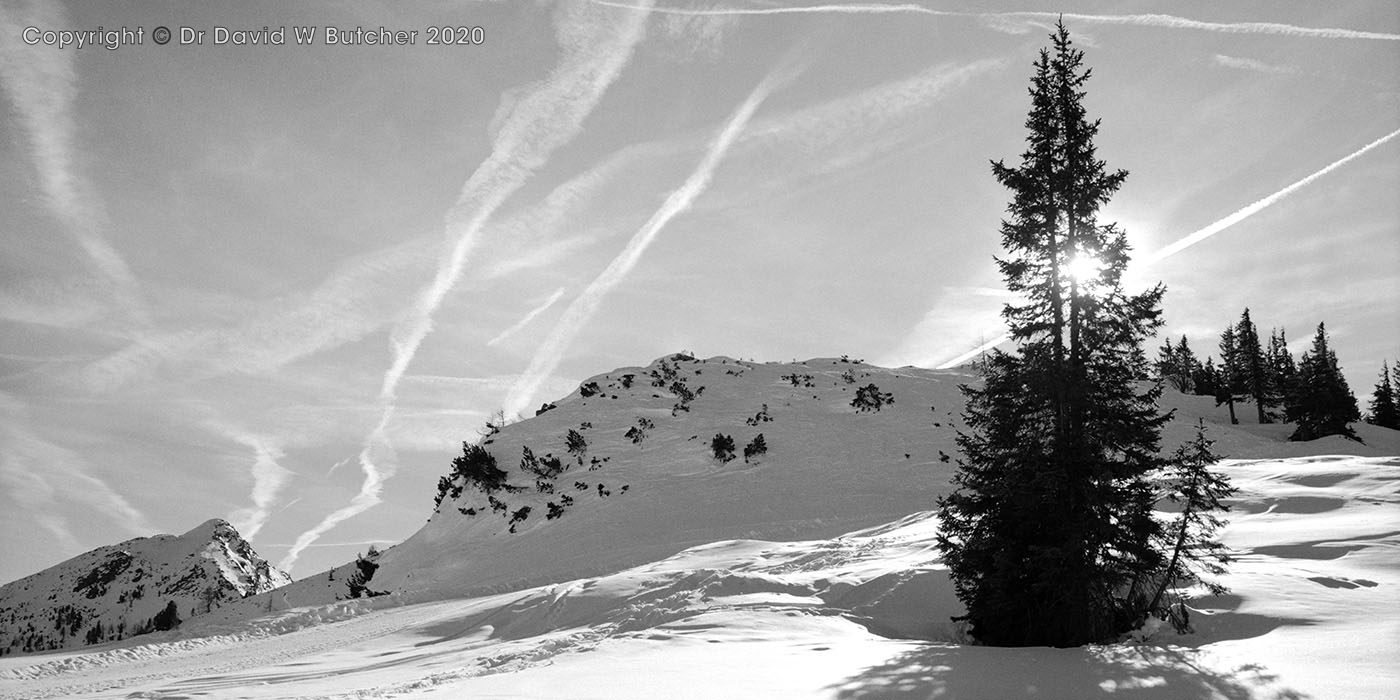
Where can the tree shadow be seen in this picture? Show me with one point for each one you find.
(969, 672)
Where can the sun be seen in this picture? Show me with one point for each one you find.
(1083, 268)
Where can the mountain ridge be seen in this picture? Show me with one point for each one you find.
(126, 589)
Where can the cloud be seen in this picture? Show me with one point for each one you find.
(353, 301)
(1253, 65)
(596, 46)
(998, 19)
(38, 475)
(41, 83)
(532, 315)
(582, 309)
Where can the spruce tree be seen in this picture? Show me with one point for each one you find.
(1206, 378)
(1322, 404)
(1255, 367)
(1283, 371)
(1051, 518)
(1193, 550)
(1384, 411)
(1228, 382)
(1178, 366)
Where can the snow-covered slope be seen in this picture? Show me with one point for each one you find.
(118, 591)
(1311, 614)
(807, 571)
(829, 468)
(647, 484)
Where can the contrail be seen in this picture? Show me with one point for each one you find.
(547, 117)
(1246, 212)
(42, 85)
(1200, 235)
(1145, 20)
(367, 498)
(582, 309)
(541, 121)
(528, 318)
(974, 352)
(268, 479)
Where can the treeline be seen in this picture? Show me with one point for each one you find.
(1310, 392)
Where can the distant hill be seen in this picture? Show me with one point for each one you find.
(126, 589)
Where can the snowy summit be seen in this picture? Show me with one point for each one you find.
(132, 588)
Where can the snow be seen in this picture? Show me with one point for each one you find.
(124, 585)
(811, 573)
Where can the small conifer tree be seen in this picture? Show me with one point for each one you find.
(1384, 411)
(167, 619)
(1193, 550)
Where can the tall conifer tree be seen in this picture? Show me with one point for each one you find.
(1255, 366)
(1322, 403)
(1050, 525)
(1229, 381)
(1283, 371)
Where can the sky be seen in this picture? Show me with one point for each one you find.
(281, 284)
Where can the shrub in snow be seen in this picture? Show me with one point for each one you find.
(723, 447)
(760, 417)
(518, 517)
(799, 379)
(547, 467)
(756, 447)
(475, 467)
(664, 374)
(869, 398)
(358, 583)
(683, 395)
(575, 444)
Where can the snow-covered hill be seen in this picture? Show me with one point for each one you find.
(647, 484)
(122, 590)
(805, 571)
